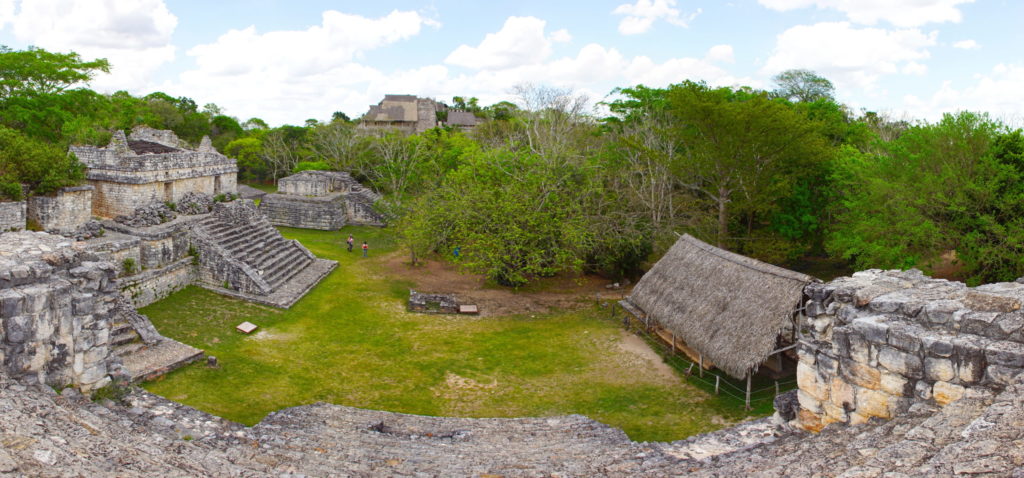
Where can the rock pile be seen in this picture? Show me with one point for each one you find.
(195, 203)
(148, 215)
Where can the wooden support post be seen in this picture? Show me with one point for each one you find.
(701, 371)
(748, 391)
(717, 379)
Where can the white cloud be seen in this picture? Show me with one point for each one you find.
(999, 92)
(640, 16)
(6, 12)
(135, 36)
(901, 13)
(561, 36)
(521, 41)
(852, 57)
(967, 45)
(721, 53)
(291, 75)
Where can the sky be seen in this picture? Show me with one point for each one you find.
(289, 61)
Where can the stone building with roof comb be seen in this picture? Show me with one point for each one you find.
(150, 166)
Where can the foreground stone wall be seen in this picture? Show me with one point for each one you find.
(64, 212)
(879, 341)
(55, 306)
(12, 216)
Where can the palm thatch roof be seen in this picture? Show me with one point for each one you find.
(728, 307)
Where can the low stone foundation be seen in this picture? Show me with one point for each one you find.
(879, 341)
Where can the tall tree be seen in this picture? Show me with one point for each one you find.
(803, 86)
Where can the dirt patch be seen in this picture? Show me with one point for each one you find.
(635, 345)
(549, 294)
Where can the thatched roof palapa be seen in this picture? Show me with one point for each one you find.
(729, 307)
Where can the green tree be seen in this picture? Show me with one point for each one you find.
(803, 86)
(42, 168)
(35, 71)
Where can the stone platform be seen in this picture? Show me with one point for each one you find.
(151, 361)
(288, 293)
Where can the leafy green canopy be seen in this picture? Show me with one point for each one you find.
(42, 168)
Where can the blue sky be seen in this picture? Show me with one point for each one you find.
(286, 61)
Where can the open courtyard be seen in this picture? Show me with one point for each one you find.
(351, 342)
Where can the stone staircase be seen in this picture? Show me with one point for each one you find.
(259, 246)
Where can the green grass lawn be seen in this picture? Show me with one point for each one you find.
(351, 342)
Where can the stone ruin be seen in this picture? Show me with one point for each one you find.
(60, 311)
(433, 303)
(324, 200)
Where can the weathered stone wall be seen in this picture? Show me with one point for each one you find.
(324, 213)
(879, 341)
(55, 305)
(12, 216)
(151, 285)
(64, 212)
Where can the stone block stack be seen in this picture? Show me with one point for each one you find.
(879, 341)
(55, 306)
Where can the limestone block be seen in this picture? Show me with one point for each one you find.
(1001, 375)
(923, 390)
(861, 375)
(937, 345)
(874, 329)
(946, 393)
(808, 402)
(896, 385)
(810, 382)
(872, 403)
(940, 312)
(842, 394)
(809, 421)
(1009, 354)
(939, 369)
(900, 362)
(905, 337)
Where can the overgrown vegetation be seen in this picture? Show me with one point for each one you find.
(351, 342)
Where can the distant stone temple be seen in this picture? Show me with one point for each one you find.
(411, 114)
(152, 166)
(324, 200)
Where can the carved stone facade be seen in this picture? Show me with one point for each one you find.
(324, 200)
(152, 166)
(880, 341)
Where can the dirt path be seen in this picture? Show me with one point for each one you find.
(635, 345)
(441, 277)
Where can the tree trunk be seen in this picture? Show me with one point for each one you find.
(723, 217)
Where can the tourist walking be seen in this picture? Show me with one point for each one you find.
(365, 248)
(350, 242)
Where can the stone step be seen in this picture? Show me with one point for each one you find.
(127, 349)
(124, 336)
(157, 359)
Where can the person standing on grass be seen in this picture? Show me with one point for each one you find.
(365, 248)
(350, 241)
